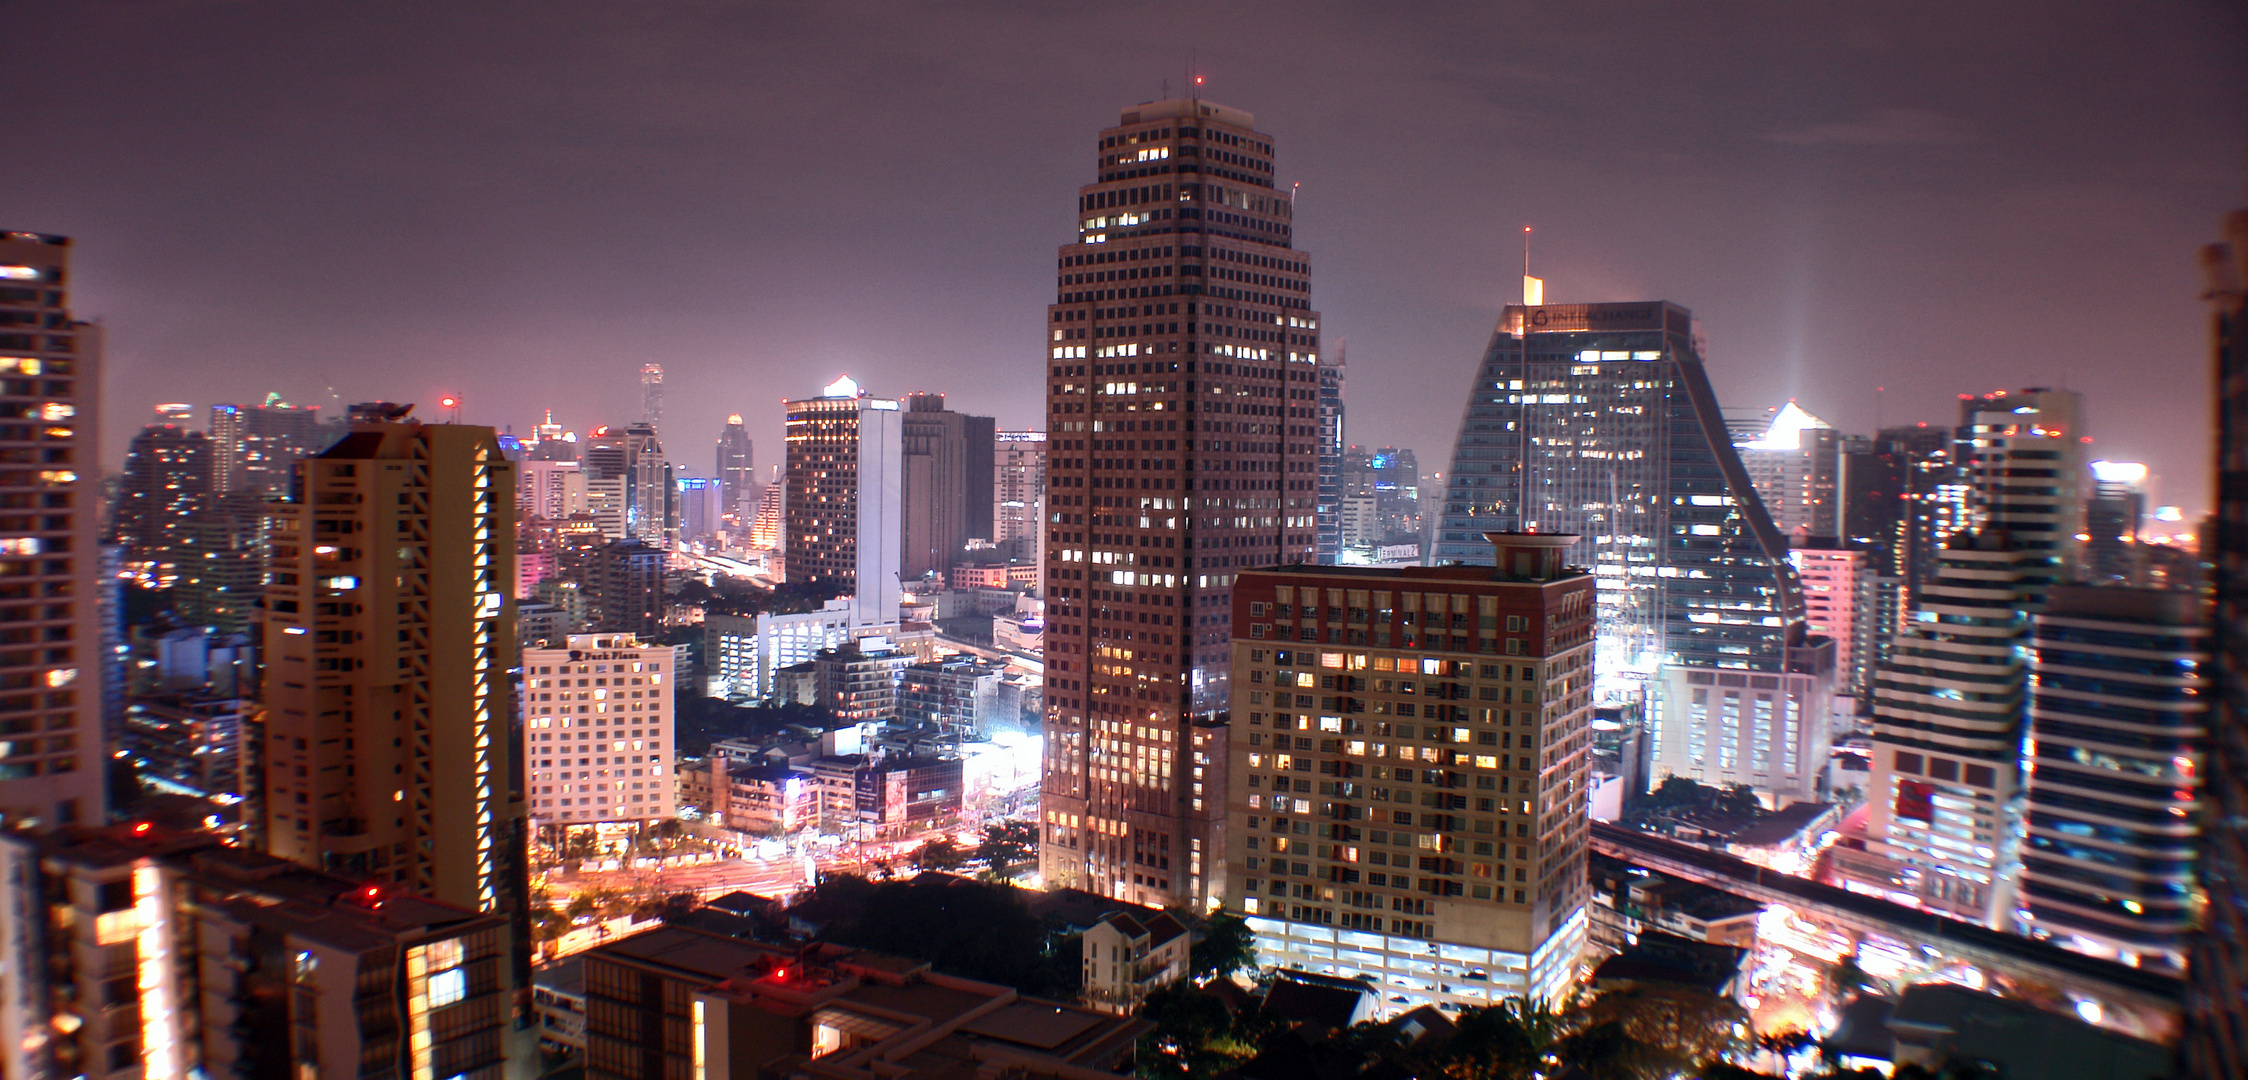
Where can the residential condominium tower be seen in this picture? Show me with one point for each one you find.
(1183, 429)
(389, 646)
(1598, 420)
(51, 750)
(1411, 754)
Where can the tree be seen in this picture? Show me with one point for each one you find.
(939, 854)
(1227, 945)
(1681, 1026)
(1189, 1024)
(1676, 791)
(1510, 1040)
(1006, 843)
(1741, 799)
(962, 927)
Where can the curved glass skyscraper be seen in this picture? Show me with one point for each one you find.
(1599, 420)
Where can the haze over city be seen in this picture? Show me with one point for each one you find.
(521, 204)
(1134, 541)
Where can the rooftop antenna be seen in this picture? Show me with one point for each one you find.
(1533, 289)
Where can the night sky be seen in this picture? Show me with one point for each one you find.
(523, 203)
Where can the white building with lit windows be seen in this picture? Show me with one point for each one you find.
(597, 720)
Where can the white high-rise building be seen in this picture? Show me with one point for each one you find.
(551, 490)
(1946, 789)
(844, 501)
(1796, 465)
(597, 730)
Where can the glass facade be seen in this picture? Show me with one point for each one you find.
(2118, 719)
(1599, 420)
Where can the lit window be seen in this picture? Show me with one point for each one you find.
(447, 987)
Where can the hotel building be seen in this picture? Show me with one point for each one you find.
(1411, 756)
(597, 731)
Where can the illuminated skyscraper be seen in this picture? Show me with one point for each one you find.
(651, 395)
(1599, 420)
(1331, 449)
(50, 381)
(1019, 494)
(1946, 789)
(843, 506)
(737, 470)
(2216, 1044)
(166, 486)
(2119, 723)
(1796, 464)
(389, 642)
(1183, 411)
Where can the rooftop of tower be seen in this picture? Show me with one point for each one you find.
(1187, 108)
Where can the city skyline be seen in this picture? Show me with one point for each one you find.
(1835, 241)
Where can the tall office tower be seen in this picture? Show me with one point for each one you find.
(624, 581)
(1598, 420)
(766, 528)
(843, 506)
(50, 546)
(1945, 790)
(2119, 718)
(736, 468)
(1396, 478)
(1796, 464)
(1183, 413)
(651, 395)
(1331, 449)
(226, 448)
(701, 506)
(2111, 523)
(2023, 455)
(221, 565)
(1946, 785)
(1841, 600)
(266, 441)
(167, 484)
(1018, 492)
(597, 730)
(1459, 702)
(1917, 502)
(2216, 1041)
(389, 639)
(650, 511)
(946, 485)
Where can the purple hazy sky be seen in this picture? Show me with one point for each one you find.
(523, 202)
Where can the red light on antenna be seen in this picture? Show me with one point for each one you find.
(449, 402)
(1198, 80)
